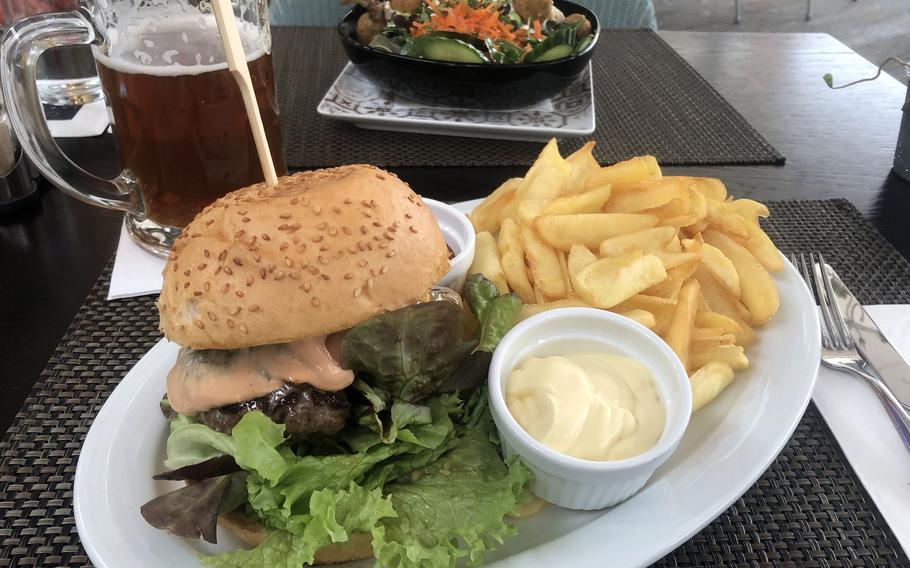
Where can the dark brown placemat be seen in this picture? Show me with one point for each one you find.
(648, 100)
(808, 509)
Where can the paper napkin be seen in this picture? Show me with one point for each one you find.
(137, 272)
(865, 432)
(90, 120)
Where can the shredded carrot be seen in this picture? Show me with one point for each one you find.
(482, 22)
(538, 33)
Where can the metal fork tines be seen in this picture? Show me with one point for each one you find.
(838, 349)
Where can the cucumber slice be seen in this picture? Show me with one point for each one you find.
(557, 45)
(443, 49)
(557, 52)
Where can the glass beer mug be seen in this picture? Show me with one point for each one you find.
(178, 116)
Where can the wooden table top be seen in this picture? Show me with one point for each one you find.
(837, 144)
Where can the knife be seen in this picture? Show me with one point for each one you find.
(870, 341)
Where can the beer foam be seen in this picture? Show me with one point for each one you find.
(178, 45)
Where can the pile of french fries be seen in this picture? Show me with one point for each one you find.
(675, 254)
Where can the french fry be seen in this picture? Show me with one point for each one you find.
(643, 317)
(722, 302)
(698, 204)
(679, 335)
(589, 229)
(547, 176)
(759, 293)
(528, 310)
(711, 188)
(630, 171)
(609, 281)
(646, 195)
(676, 259)
(579, 258)
(707, 338)
(676, 276)
(529, 209)
(564, 268)
(749, 210)
(513, 261)
(762, 248)
(732, 355)
(646, 240)
(708, 382)
(543, 263)
(721, 217)
(587, 202)
(486, 261)
(583, 167)
(661, 308)
(713, 320)
(497, 206)
(721, 268)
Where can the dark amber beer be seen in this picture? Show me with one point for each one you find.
(179, 120)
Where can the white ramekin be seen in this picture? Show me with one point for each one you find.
(571, 482)
(459, 235)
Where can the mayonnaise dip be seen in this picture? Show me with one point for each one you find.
(593, 406)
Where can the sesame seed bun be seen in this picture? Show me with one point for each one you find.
(318, 253)
(252, 533)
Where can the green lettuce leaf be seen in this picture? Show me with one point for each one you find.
(334, 514)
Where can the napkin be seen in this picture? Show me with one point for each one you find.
(137, 272)
(865, 432)
(91, 119)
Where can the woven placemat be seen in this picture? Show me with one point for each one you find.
(808, 509)
(648, 100)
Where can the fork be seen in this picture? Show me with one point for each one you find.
(838, 349)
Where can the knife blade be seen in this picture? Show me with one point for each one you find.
(870, 341)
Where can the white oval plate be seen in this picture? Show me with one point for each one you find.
(728, 445)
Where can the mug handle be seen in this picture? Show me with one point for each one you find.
(24, 43)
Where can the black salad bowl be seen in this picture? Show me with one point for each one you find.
(468, 85)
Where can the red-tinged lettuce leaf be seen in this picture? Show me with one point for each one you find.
(192, 511)
(214, 467)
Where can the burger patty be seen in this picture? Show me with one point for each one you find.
(302, 409)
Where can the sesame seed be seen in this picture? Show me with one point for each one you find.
(194, 235)
(408, 215)
(352, 249)
(284, 216)
(266, 237)
(237, 261)
(384, 244)
(239, 293)
(207, 286)
(333, 231)
(412, 229)
(187, 272)
(223, 255)
(262, 273)
(283, 247)
(197, 293)
(241, 212)
(346, 230)
(225, 289)
(295, 201)
(314, 270)
(282, 226)
(227, 270)
(217, 270)
(246, 219)
(199, 324)
(396, 224)
(209, 222)
(294, 275)
(280, 276)
(201, 266)
(322, 259)
(249, 280)
(317, 209)
(252, 241)
(364, 202)
(349, 275)
(230, 323)
(244, 329)
(294, 226)
(325, 276)
(235, 311)
(174, 268)
(390, 254)
(315, 301)
(322, 225)
(212, 316)
(257, 257)
(206, 253)
(356, 292)
(348, 201)
(369, 282)
(288, 262)
(324, 247)
(373, 201)
(377, 223)
(317, 238)
(363, 262)
(338, 254)
(363, 229)
(253, 308)
(337, 210)
(306, 286)
(384, 269)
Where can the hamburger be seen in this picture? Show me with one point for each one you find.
(325, 399)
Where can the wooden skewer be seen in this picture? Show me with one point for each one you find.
(236, 60)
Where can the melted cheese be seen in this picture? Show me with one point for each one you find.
(206, 379)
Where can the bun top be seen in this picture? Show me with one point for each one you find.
(318, 253)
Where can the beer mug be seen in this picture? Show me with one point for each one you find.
(177, 115)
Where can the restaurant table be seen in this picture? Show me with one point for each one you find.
(837, 144)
